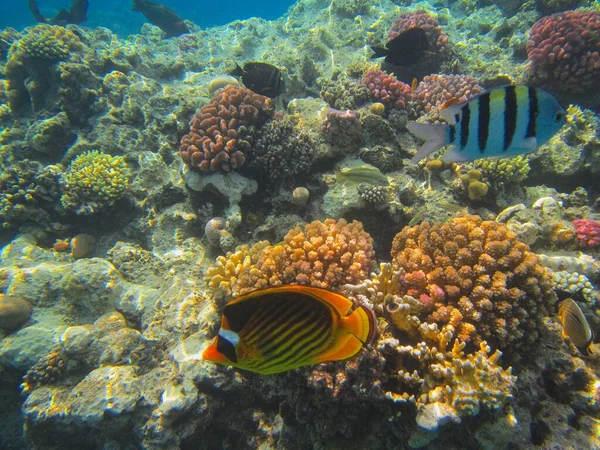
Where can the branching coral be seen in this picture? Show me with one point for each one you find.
(324, 254)
(506, 170)
(94, 181)
(222, 132)
(477, 276)
(283, 152)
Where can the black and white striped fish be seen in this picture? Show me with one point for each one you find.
(503, 122)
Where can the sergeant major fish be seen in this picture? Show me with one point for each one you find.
(281, 328)
(500, 123)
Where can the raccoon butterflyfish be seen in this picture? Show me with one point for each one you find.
(575, 326)
(281, 328)
(500, 123)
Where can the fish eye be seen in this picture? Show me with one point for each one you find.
(559, 117)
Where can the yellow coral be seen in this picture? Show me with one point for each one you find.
(94, 181)
(47, 42)
(507, 170)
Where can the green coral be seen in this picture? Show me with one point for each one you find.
(343, 93)
(509, 170)
(48, 42)
(94, 181)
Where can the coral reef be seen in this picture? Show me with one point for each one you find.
(343, 92)
(574, 282)
(588, 232)
(28, 192)
(94, 181)
(477, 276)
(222, 132)
(476, 188)
(31, 58)
(563, 50)
(507, 171)
(324, 254)
(283, 153)
(387, 89)
(343, 128)
(434, 90)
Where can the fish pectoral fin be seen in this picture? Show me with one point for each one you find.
(529, 144)
(434, 136)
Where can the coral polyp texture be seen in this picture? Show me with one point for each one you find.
(342, 128)
(326, 254)
(222, 132)
(588, 232)
(46, 42)
(94, 181)
(564, 51)
(476, 276)
(387, 89)
(434, 90)
(436, 38)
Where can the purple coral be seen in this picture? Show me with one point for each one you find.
(387, 89)
(588, 232)
(436, 89)
(564, 51)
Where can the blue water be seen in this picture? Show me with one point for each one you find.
(117, 14)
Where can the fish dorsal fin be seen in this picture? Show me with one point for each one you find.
(337, 301)
(450, 110)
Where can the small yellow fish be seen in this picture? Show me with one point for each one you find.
(575, 326)
(281, 328)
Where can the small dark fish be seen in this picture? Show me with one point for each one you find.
(262, 78)
(577, 295)
(406, 49)
(164, 18)
(76, 14)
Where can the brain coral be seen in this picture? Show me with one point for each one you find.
(436, 89)
(221, 133)
(564, 50)
(324, 254)
(476, 276)
(94, 181)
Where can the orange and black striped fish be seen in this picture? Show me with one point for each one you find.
(501, 123)
(281, 328)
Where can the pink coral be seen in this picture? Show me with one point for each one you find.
(220, 134)
(436, 38)
(435, 89)
(340, 125)
(564, 50)
(588, 232)
(387, 89)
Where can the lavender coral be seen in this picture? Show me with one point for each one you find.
(387, 89)
(221, 132)
(436, 89)
(564, 51)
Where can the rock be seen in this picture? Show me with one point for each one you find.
(14, 311)
(434, 415)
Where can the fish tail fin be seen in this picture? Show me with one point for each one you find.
(356, 330)
(380, 52)
(434, 135)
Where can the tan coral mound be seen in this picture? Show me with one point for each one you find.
(324, 254)
(475, 275)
